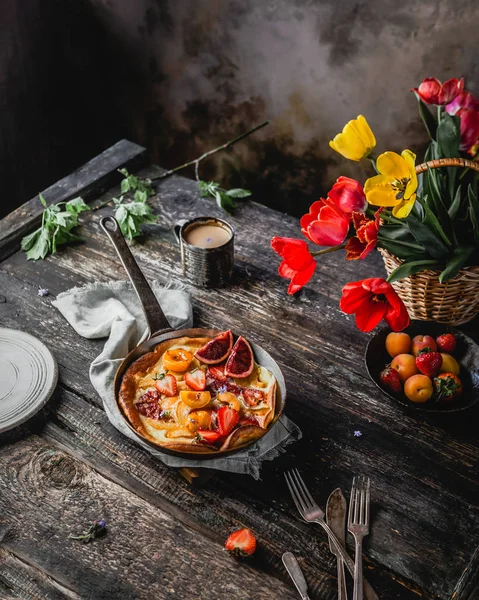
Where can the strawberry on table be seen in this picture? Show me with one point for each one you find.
(446, 343)
(241, 543)
(196, 380)
(167, 385)
(389, 378)
(227, 419)
(429, 363)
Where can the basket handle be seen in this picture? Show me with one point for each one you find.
(447, 162)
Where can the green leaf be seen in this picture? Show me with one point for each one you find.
(238, 193)
(456, 203)
(125, 186)
(432, 222)
(449, 135)
(42, 200)
(219, 199)
(403, 250)
(428, 119)
(473, 212)
(411, 267)
(40, 247)
(77, 205)
(455, 264)
(30, 240)
(140, 196)
(121, 215)
(425, 236)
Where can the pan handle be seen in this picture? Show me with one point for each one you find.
(155, 317)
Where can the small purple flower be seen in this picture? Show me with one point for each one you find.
(222, 389)
(43, 292)
(209, 239)
(101, 523)
(357, 434)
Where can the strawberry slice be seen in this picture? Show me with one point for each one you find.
(217, 373)
(167, 385)
(196, 380)
(241, 543)
(227, 419)
(209, 435)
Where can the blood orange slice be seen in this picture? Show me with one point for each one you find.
(217, 349)
(241, 361)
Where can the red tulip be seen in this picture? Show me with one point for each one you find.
(348, 195)
(325, 224)
(298, 264)
(372, 300)
(431, 91)
(463, 100)
(365, 240)
(469, 128)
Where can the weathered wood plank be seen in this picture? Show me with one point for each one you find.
(145, 554)
(88, 181)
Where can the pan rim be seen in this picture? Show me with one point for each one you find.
(148, 345)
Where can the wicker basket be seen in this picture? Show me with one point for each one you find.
(454, 302)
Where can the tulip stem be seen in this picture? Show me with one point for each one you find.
(326, 250)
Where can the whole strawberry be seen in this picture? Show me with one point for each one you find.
(429, 363)
(447, 386)
(389, 378)
(446, 343)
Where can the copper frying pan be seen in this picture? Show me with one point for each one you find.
(160, 330)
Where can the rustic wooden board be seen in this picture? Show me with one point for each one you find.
(424, 469)
(90, 180)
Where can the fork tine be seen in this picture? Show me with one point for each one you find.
(300, 488)
(368, 498)
(351, 502)
(306, 492)
(362, 509)
(292, 491)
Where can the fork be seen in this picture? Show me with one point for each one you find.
(312, 513)
(358, 525)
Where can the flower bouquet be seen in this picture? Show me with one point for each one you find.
(423, 219)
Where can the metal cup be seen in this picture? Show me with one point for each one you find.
(206, 267)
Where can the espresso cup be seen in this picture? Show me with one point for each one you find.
(207, 250)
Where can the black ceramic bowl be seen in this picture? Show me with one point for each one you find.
(466, 353)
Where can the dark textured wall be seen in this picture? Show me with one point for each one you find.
(181, 76)
(57, 105)
(211, 68)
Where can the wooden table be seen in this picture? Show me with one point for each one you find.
(68, 466)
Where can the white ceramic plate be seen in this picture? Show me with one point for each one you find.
(28, 376)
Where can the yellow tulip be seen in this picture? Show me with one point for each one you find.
(356, 140)
(396, 184)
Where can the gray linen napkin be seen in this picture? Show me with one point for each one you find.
(112, 310)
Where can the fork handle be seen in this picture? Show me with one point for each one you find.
(358, 569)
(342, 593)
(369, 593)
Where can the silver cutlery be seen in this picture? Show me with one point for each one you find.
(296, 574)
(312, 513)
(358, 525)
(336, 519)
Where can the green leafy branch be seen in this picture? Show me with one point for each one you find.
(225, 199)
(132, 208)
(58, 221)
